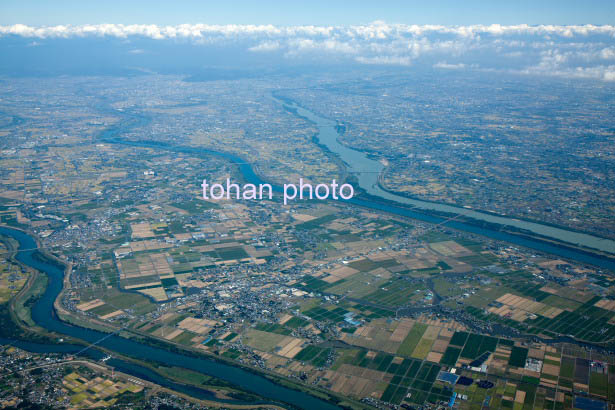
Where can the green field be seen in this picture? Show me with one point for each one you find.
(22, 307)
(358, 285)
(315, 355)
(184, 338)
(459, 339)
(472, 346)
(422, 349)
(477, 345)
(262, 340)
(312, 284)
(409, 376)
(273, 328)
(296, 322)
(518, 356)
(561, 303)
(413, 338)
(320, 314)
(102, 310)
(394, 293)
(450, 356)
(598, 384)
(232, 253)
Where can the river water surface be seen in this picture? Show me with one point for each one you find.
(43, 314)
(367, 172)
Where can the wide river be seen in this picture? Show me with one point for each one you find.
(367, 172)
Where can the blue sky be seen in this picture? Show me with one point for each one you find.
(317, 12)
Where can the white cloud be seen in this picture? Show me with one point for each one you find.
(575, 51)
(609, 74)
(377, 30)
(608, 53)
(445, 65)
(385, 60)
(266, 46)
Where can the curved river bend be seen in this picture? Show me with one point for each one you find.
(367, 172)
(358, 163)
(43, 313)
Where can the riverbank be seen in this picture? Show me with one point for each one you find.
(366, 174)
(460, 206)
(368, 171)
(44, 314)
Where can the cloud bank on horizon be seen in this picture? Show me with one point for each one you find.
(583, 51)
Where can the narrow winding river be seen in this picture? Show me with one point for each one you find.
(43, 313)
